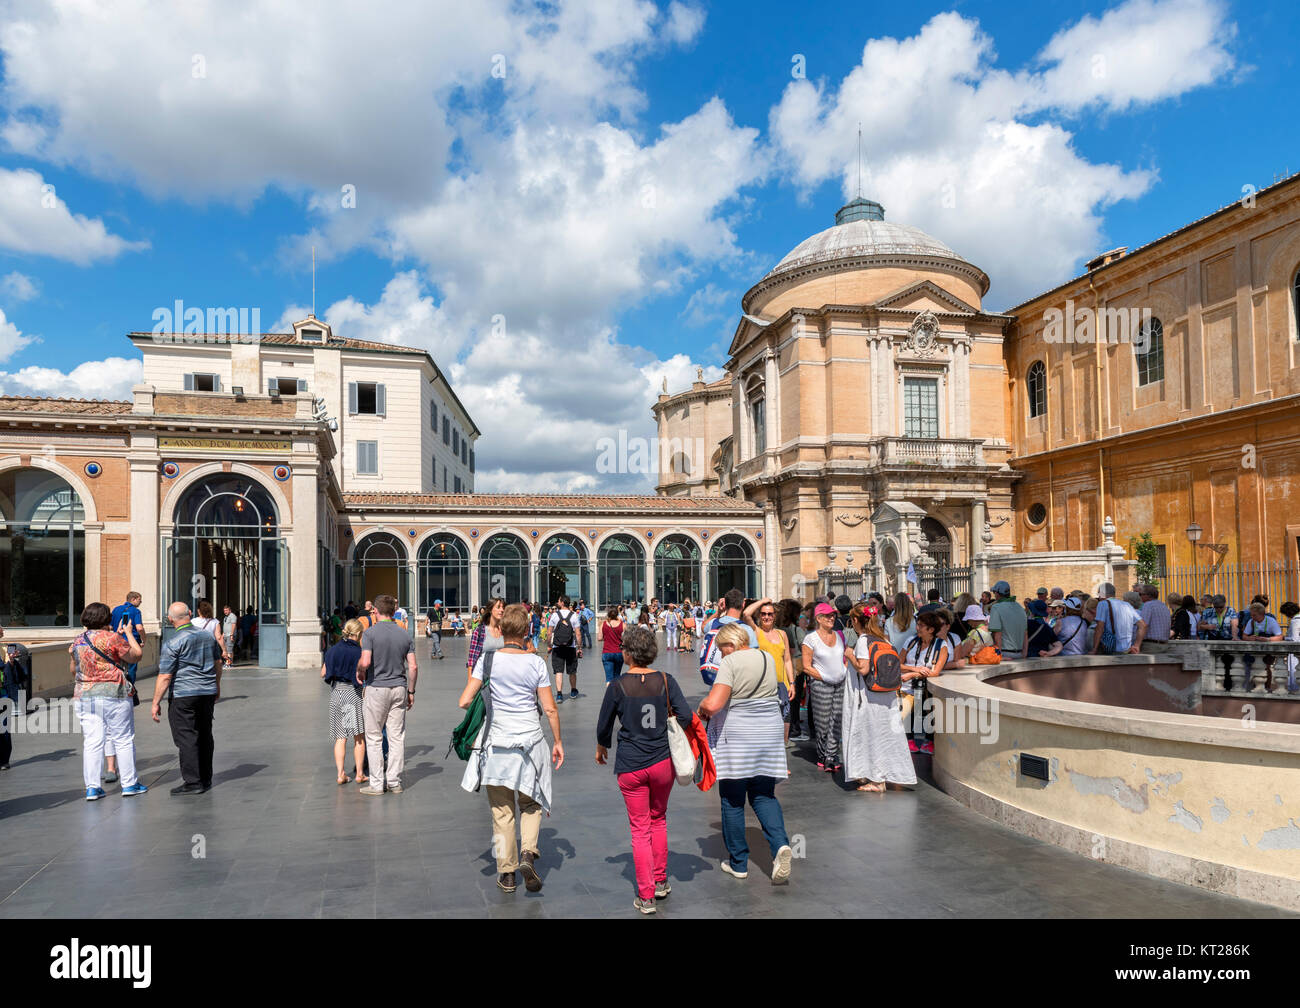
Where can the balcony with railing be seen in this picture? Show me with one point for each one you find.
(944, 453)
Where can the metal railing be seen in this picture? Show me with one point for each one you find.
(951, 581)
(1238, 583)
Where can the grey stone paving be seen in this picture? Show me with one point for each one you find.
(284, 840)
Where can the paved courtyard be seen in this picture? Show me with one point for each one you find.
(282, 839)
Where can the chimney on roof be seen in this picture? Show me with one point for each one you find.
(1106, 258)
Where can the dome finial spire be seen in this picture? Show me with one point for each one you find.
(859, 160)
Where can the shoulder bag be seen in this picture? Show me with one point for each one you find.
(679, 746)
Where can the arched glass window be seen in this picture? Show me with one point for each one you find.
(503, 569)
(226, 549)
(677, 569)
(1036, 388)
(562, 569)
(1149, 351)
(620, 570)
(443, 571)
(1295, 302)
(42, 551)
(379, 567)
(731, 565)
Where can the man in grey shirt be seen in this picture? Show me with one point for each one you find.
(189, 675)
(387, 669)
(1007, 621)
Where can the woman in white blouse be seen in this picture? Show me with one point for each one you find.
(510, 756)
(823, 663)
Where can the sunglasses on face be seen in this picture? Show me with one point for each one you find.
(767, 615)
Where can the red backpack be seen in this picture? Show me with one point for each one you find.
(884, 669)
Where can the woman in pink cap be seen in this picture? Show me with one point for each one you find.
(824, 663)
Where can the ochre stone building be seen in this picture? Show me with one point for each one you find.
(884, 420)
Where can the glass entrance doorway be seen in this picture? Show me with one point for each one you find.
(226, 549)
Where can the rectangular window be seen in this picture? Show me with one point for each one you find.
(366, 398)
(1161, 557)
(444, 479)
(471, 461)
(367, 458)
(464, 450)
(921, 407)
(433, 416)
(202, 383)
(757, 409)
(446, 430)
(286, 386)
(458, 484)
(455, 442)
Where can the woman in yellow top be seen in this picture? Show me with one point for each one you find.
(772, 640)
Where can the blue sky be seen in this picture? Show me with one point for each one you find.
(606, 179)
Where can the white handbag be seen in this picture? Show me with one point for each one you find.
(679, 746)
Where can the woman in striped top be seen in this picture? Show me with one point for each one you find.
(747, 738)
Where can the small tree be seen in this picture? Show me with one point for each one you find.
(1147, 555)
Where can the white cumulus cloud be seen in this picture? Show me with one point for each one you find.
(34, 220)
(111, 378)
(981, 157)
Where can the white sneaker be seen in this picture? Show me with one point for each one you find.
(726, 867)
(781, 866)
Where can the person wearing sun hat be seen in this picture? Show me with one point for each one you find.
(978, 635)
(824, 664)
(1071, 631)
(1007, 621)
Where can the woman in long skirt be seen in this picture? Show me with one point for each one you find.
(824, 663)
(875, 745)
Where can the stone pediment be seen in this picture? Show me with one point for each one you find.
(896, 512)
(925, 295)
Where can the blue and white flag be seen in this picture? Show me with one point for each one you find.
(911, 572)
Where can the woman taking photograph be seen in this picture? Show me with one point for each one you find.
(339, 671)
(772, 640)
(488, 636)
(102, 697)
(875, 748)
(823, 663)
(745, 734)
(510, 758)
(642, 700)
(923, 659)
(611, 643)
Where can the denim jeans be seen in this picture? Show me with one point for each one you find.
(761, 792)
(613, 666)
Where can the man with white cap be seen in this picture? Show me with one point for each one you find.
(1071, 631)
(1007, 621)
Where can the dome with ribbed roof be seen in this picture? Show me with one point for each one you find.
(861, 230)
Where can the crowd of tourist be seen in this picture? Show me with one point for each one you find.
(847, 681)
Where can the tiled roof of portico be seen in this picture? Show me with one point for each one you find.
(549, 502)
(51, 404)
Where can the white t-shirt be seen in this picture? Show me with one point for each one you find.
(203, 623)
(899, 638)
(516, 678)
(828, 660)
(574, 621)
(915, 653)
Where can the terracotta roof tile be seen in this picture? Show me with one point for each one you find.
(52, 404)
(279, 339)
(548, 502)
